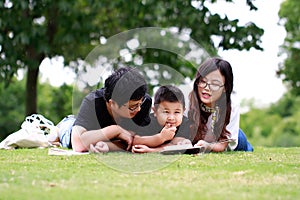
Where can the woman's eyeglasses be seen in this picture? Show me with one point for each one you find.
(212, 86)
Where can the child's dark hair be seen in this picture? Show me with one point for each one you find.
(125, 84)
(168, 93)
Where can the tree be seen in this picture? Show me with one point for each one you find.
(55, 105)
(276, 125)
(11, 102)
(290, 19)
(33, 30)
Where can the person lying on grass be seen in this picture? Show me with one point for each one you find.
(168, 124)
(108, 116)
(213, 118)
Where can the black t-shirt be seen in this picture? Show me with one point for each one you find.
(154, 127)
(93, 114)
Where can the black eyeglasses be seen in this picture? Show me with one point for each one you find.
(135, 107)
(212, 86)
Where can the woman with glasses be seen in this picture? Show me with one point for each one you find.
(213, 115)
(108, 115)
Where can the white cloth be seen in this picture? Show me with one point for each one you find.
(31, 134)
(24, 138)
(234, 124)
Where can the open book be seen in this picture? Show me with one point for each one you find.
(189, 148)
(182, 149)
(64, 152)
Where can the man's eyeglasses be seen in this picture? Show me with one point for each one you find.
(212, 86)
(136, 106)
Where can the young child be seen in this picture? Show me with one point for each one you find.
(168, 124)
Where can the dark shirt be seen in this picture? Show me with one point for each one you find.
(93, 114)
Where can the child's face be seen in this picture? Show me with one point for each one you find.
(214, 87)
(170, 113)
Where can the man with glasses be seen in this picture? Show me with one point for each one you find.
(108, 116)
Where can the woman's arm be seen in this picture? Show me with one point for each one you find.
(214, 147)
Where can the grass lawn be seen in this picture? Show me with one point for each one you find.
(267, 173)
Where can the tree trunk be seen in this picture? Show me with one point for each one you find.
(31, 90)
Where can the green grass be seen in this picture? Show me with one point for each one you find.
(267, 173)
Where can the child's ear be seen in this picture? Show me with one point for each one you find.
(154, 111)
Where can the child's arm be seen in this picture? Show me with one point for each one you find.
(147, 149)
(140, 148)
(179, 141)
(166, 134)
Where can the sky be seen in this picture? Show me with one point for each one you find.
(254, 70)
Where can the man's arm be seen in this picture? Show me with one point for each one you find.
(81, 138)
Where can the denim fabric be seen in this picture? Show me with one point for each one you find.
(243, 144)
(65, 129)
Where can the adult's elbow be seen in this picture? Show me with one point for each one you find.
(76, 140)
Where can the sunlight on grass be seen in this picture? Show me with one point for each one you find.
(267, 173)
(136, 163)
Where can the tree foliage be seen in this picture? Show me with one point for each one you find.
(290, 70)
(12, 107)
(54, 104)
(33, 30)
(277, 125)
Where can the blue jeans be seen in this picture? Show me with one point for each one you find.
(65, 129)
(243, 144)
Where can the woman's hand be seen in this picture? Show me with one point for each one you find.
(204, 144)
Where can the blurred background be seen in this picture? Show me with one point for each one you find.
(43, 44)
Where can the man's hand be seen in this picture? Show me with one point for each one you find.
(127, 137)
(99, 147)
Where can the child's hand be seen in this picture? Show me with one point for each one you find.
(184, 141)
(140, 148)
(168, 132)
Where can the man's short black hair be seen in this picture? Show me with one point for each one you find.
(125, 84)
